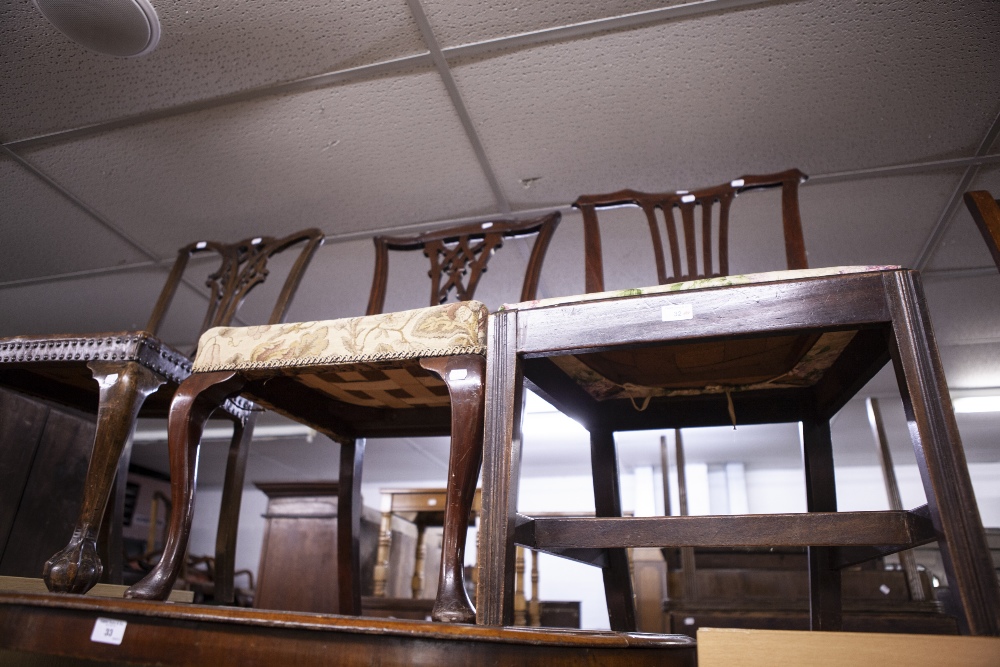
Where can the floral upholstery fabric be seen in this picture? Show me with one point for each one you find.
(450, 329)
(705, 283)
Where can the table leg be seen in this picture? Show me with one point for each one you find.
(821, 496)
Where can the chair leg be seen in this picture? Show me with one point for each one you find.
(465, 376)
(124, 388)
(195, 400)
(821, 496)
(352, 453)
(229, 513)
(607, 502)
(941, 460)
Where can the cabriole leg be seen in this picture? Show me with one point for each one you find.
(195, 400)
(464, 375)
(124, 388)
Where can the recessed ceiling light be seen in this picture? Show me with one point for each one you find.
(124, 28)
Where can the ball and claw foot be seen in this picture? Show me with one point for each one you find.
(75, 569)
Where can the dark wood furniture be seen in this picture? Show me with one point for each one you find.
(367, 377)
(985, 211)
(883, 315)
(181, 634)
(44, 449)
(683, 247)
(301, 531)
(122, 375)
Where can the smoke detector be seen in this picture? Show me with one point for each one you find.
(122, 28)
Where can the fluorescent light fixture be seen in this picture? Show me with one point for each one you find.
(969, 404)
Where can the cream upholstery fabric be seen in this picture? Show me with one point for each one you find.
(455, 328)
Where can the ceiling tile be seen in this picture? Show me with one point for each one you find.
(45, 234)
(468, 21)
(965, 311)
(826, 87)
(206, 50)
(358, 157)
(120, 301)
(962, 245)
(882, 220)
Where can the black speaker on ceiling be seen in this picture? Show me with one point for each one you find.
(124, 28)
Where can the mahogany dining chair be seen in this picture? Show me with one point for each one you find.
(399, 374)
(123, 375)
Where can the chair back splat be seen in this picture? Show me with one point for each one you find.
(682, 237)
(242, 267)
(459, 257)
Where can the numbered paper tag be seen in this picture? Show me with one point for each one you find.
(675, 313)
(108, 631)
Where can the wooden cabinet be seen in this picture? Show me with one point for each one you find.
(298, 562)
(44, 453)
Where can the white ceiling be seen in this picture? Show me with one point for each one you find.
(358, 117)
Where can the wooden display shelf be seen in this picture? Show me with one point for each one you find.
(182, 634)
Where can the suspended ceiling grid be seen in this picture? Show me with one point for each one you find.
(360, 117)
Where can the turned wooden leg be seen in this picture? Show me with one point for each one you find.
(535, 605)
(464, 376)
(419, 559)
(352, 454)
(124, 388)
(520, 601)
(229, 513)
(608, 502)
(195, 400)
(381, 576)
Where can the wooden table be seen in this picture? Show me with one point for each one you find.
(181, 634)
(886, 311)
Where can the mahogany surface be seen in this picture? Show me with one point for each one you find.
(885, 307)
(182, 634)
(113, 373)
(458, 257)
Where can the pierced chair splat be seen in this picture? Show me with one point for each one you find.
(784, 346)
(410, 373)
(126, 374)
